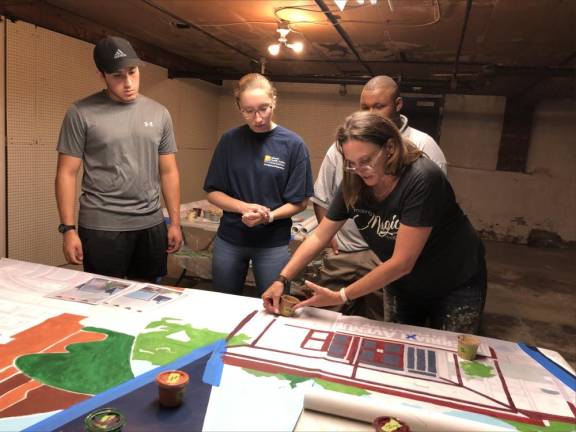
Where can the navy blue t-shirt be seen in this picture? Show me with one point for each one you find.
(423, 197)
(270, 169)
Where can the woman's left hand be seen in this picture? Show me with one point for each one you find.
(319, 296)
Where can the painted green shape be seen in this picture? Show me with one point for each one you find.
(555, 426)
(342, 388)
(86, 367)
(170, 338)
(295, 380)
(475, 369)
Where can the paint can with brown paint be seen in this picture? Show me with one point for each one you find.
(171, 387)
(287, 303)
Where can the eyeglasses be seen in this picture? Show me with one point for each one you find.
(363, 165)
(251, 112)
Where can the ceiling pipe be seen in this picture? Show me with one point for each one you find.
(322, 5)
(199, 29)
(406, 86)
(454, 82)
(572, 73)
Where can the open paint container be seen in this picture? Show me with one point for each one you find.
(171, 387)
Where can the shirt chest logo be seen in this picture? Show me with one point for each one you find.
(148, 124)
(274, 162)
(384, 228)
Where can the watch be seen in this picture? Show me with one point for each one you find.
(285, 281)
(62, 228)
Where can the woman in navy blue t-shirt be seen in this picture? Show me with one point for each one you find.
(260, 176)
(403, 205)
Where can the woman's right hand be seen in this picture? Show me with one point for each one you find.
(271, 297)
(255, 208)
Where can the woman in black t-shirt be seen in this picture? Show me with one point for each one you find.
(432, 259)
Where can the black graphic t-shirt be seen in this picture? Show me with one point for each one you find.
(423, 197)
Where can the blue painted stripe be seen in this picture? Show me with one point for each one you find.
(83, 408)
(551, 366)
(215, 366)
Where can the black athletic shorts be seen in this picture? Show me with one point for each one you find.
(139, 255)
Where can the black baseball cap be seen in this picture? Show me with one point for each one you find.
(113, 53)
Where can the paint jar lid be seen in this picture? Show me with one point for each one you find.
(389, 424)
(105, 420)
(172, 378)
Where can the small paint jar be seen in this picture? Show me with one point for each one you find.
(468, 346)
(389, 424)
(104, 420)
(287, 303)
(171, 387)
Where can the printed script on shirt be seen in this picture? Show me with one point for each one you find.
(384, 228)
(274, 162)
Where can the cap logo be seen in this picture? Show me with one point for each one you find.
(119, 53)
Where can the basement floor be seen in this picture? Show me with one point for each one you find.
(531, 296)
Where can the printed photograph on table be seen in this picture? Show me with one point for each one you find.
(94, 291)
(145, 298)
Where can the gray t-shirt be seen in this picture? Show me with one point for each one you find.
(119, 144)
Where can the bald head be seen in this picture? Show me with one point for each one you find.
(382, 96)
(382, 82)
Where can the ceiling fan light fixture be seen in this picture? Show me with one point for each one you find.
(274, 49)
(283, 30)
(297, 47)
(341, 4)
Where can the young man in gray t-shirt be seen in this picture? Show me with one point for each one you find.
(125, 143)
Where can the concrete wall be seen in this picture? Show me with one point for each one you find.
(2, 150)
(503, 205)
(193, 105)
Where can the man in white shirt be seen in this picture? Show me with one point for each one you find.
(349, 257)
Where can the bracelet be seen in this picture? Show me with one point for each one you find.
(285, 281)
(270, 217)
(343, 296)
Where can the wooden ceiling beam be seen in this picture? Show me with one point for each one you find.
(343, 34)
(61, 21)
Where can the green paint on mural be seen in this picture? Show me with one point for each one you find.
(168, 339)
(295, 380)
(342, 388)
(555, 426)
(475, 369)
(89, 367)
